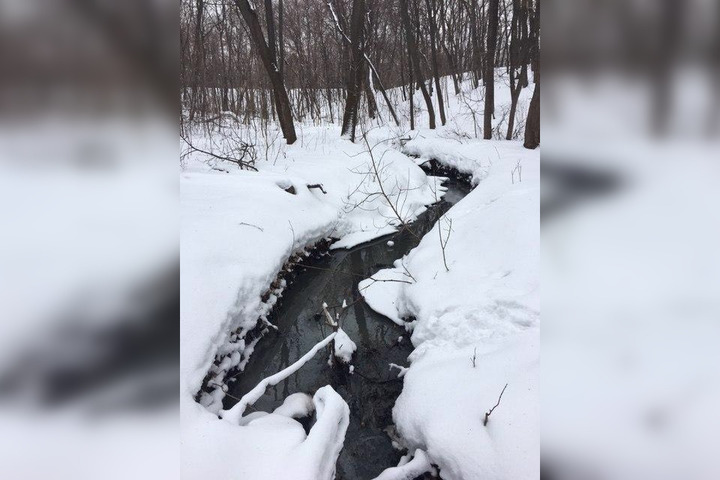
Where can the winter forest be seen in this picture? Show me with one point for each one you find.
(307, 240)
(360, 196)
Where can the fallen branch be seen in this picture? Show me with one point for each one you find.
(251, 225)
(335, 326)
(489, 412)
(443, 243)
(317, 185)
(416, 467)
(236, 412)
(245, 150)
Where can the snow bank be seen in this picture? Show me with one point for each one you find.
(476, 326)
(271, 446)
(414, 468)
(238, 229)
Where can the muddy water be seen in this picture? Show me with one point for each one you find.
(372, 389)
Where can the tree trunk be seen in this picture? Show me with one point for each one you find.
(270, 21)
(490, 69)
(198, 60)
(518, 58)
(282, 101)
(415, 60)
(370, 94)
(411, 89)
(382, 90)
(532, 125)
(281, 37)
(477, 52)
(355, 80)
(433, 54)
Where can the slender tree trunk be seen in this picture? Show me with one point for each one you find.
(198, 60)
(282, 101)
(281, 37)
(370, 65)
(415, 59)
(370, 94)
(270, 21)
(433, 54)
(411, 88)
(532, 125)
(355, 80)
(490, 69)
(518, 58)
(476, 44)
(380, 85)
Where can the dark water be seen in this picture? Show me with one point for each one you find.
(372, 389)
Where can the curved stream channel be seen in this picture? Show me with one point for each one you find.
(372, 389)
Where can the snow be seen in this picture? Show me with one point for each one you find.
(271, 446)
(296, 405)
(631, 330)
(238, 230)
(235, 413)
(344, 346)
(487, 306)
(419, 464)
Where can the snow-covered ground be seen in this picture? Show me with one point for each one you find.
(238, 230)
(631, 285)
(476, 309)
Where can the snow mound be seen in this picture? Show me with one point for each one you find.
(344, 346)
(476, 304)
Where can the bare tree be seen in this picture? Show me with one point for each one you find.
(532, 125)
(282, 101)
(415, 59)
(432, 13)
(517, 64)
(355, 75)
(198, 59)
(490, 69)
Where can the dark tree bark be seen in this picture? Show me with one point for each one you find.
(433, 55)
(490, 68)
(281, 37)
(270, 21)
(380, 85)
(415, 60)
(517, 65)
(198, 60)
(373, 71)
(411, 88)
(370, 94)
(282, 101)
(476, 37)
(532, 126)
(355, 80)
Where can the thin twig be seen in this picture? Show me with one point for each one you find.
(251, 225)
(489, 412)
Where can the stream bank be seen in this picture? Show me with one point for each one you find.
(372, 388)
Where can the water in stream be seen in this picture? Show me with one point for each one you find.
(372, 389)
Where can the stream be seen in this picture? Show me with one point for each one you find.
(372, 389)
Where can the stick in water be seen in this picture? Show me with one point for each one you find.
(236, 412)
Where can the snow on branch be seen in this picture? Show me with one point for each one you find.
(416, 467)
(236, 412)
(337, 24)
